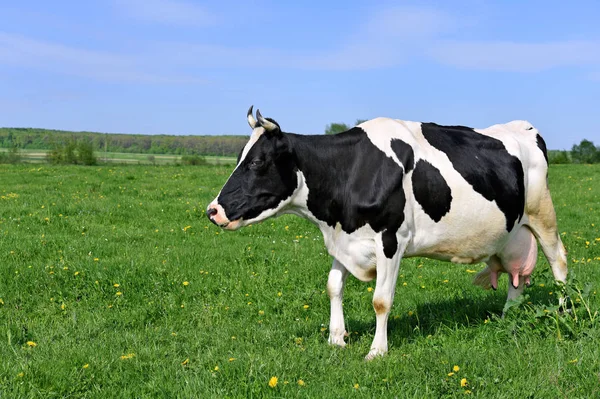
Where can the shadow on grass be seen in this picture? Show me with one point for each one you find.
(435, 317)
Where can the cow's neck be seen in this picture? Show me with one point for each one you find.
(323, 165)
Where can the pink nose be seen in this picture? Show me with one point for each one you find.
(211, 213)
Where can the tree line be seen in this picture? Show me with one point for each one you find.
(46, 139)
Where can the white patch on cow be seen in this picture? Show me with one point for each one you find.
(381, 131)
(256, 133)
(356, 251)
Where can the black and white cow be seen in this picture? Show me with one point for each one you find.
(388, 189)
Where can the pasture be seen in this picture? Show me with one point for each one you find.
(113, 283)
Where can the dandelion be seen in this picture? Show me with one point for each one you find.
(96, 259)
(456, 369)
(231, 359)
(186, 283)
(119, 293)
(261, 312)
(31, 344)
(463, 382)
(356, 386)
(216, 368)
(116, 285)
(370, 289)
(185, 362)
(273, 382)
(301, 383)
(279, 293)
(85, 366)
(404, 284)
(450, 374)
(306, 306)
(127, 356)
(63, 306)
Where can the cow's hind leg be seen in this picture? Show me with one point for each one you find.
(383, 297)
(542, 221)
(335, 289)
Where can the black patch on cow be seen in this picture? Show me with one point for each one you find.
(431, 190)
(405, 154)
(542, 146)
(352, 182)
(485, 164)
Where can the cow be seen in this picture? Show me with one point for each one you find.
(388, 189)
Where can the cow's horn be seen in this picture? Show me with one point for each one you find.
(268, 125)
(251, 120)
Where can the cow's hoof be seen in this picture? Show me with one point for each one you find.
(337, 340)
(374, 353)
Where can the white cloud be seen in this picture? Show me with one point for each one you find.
(20, 51)
(170, 12)
(516, 57)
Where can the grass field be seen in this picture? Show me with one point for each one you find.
(114, 284)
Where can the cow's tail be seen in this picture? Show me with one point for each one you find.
(483, 278)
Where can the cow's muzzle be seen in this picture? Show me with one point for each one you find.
(216, 214)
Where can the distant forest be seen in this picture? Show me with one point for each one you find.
(46, 139)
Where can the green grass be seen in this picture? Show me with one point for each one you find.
(69, 235)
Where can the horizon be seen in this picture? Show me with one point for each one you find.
(191, 68)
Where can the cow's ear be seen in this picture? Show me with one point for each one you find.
(271, 127)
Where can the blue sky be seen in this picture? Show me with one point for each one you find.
(191, 67)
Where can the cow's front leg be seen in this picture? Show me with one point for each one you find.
(383, 298)
(335, 289)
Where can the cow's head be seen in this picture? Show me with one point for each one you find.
(263, 181)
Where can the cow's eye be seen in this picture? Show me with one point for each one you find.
(256, 163)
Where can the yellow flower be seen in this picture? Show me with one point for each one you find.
(119, 293)
(185, 362)
(370, 289)
(261, 312)
(63, 306)
(463, 382)
(128, 356)
(301, 383)
(231, 359)
(31, 344)
(96, 259)
(216, 368)
(279, 294)
(306, 306)
(116, 285)
(356, 386)
(450, 374)
(85, 366)
(186, 283)
(456, 369)
(273, 382)
(21, 374)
